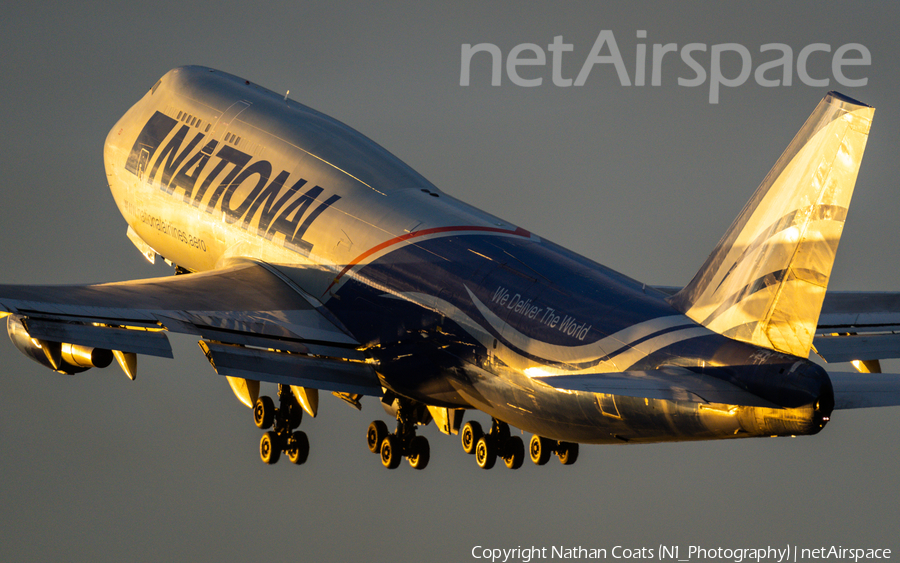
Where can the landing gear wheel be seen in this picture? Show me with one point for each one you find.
(269, 451)
(264, 412)
(420, 452)
(514, 453)
(391, 452)
(567, 452)
(298, 448)
(540, 450)
(375, 435)
(485, 452)
(471, 433)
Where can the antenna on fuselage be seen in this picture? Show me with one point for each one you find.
(286, 95)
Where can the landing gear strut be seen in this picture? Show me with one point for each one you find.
(283, 422)
(393, 447)
(497, 442)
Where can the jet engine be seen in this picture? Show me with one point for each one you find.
(60, 357)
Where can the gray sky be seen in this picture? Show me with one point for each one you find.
(644, 179)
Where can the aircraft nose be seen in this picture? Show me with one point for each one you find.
(112, 147)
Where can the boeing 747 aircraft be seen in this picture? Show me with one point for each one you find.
(309, 257)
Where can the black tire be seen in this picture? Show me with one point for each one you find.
(375, 435)
(269, 449)
(514, 453)
(298, 448)
(540, 450)
(567, 452)
(485, 452)
(420, 452)
(471, 433)
(264, 413)
(391, 453)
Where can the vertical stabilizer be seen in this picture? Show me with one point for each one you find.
(765, 281)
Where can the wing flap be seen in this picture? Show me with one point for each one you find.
(110, 338)
(669, 383)
(346, 352)
(292, 369)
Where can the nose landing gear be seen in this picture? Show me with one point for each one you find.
(283, 421)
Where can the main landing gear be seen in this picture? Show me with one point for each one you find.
(497, 442)
(540, 449)
(402, 443)
(283, 422)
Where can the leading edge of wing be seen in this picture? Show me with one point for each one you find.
(667, 383)
(245, 297)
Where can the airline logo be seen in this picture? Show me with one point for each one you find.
(210, 178)
(619, 351)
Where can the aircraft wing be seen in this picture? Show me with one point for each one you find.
(254, 323)
(668, 383)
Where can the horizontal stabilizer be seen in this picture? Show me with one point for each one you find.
(865, 390)
(667, 383)
(859, 311)
(853, 325)
(849, 347)
(857, 325)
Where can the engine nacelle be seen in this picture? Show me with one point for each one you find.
(60, 357)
